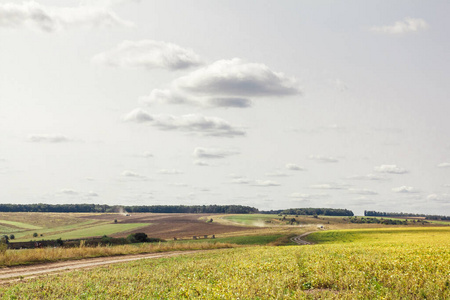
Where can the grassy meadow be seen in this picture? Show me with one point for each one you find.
(387, 263)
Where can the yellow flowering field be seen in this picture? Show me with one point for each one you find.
(352, 264)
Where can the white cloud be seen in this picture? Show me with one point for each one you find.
(391, 169)
(226, 83)
(213, 153)
(241, 181)
(300, 196)
(131, 174)
(364, 201)
(440, 198)
(362, 192)
(201, 163)
(236, 77)
(401, 27)
(170, 172)
(374, 177)
(48, 138)
(261, 183)
(68, 192)
(294, 167)
(265, 183)
(444, 165)
(148, 54)
(92, 194)
(49, 19)
(404, 189)
(327, 186)
(208, 126)
(325, 159)
(276, 174)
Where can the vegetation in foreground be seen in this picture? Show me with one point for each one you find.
(42, 255)
(375, 264)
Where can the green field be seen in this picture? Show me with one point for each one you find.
(351, 264)
(249, 219)
(53, 226)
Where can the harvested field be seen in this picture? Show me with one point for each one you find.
(168, 226)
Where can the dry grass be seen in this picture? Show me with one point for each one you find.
(43, 255)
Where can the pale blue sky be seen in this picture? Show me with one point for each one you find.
(270, 104)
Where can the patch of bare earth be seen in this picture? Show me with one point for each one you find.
(169, 226)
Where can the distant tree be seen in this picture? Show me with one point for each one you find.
(35, 234)
(11, 237)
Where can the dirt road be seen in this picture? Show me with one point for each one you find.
(11, 274)
(298, 239)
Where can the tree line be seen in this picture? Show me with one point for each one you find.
(312, 211)
(372, 213)
(103, 208)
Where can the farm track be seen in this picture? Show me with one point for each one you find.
(13, 274)
(298, 239)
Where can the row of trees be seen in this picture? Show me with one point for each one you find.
(316, 211)
(98, 208)
(372, 213)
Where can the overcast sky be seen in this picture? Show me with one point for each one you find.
(271, 104)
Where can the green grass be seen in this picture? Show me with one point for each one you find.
(97, 230)
(372, 235)
(19, 224)
(250, 219)
(386, 264)
(240, 240)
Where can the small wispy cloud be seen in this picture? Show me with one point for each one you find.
(207, 126)
(134, 175)
(213, 153)
(201, 163)
(308, 197)
(444, 165)
(362, 191)
(265, 183)
(260, 183)
(329, 186)
(170, 171)
(148, 54)
(439, 198)
(408, 25)
(324, 159)
(48, 138)
(294, 167)
(391, 169)
(31, 14)
(374, 177)
(404, 189)
(276, 174)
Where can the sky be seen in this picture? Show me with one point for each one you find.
(270, 104)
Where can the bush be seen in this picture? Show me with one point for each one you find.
(11, 237)
(35, 234)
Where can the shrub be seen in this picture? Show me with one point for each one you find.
(35, 234)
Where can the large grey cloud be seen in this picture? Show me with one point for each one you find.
(207, 126)
(148, 54)
(227, 83)
(401, 27)
(212, 153)
(49, 19)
